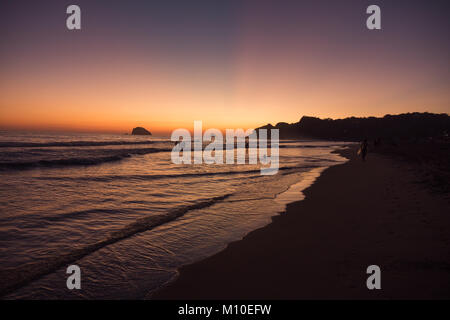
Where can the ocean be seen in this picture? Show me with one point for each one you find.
(116, 206)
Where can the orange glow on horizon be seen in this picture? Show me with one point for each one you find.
(105, 85)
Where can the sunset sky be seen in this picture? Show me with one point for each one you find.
(164, 64)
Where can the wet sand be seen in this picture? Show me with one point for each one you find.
(355, 215)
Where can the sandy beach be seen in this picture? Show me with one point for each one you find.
(355, 215)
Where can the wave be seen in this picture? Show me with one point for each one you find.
(78, 161)
(14, 144)
(14, 278)
(148, 176)
(145, 177)
(37, 220)
(307, 146)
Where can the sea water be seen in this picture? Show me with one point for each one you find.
(116, 206)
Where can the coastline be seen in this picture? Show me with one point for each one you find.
(355, 214)
(191, 238)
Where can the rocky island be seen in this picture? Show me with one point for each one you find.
(139, 131)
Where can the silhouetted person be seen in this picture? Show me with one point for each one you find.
(363, 149)
(377, 142)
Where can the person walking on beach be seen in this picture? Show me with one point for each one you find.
(363, 149)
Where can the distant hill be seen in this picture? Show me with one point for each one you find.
(402, 126)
